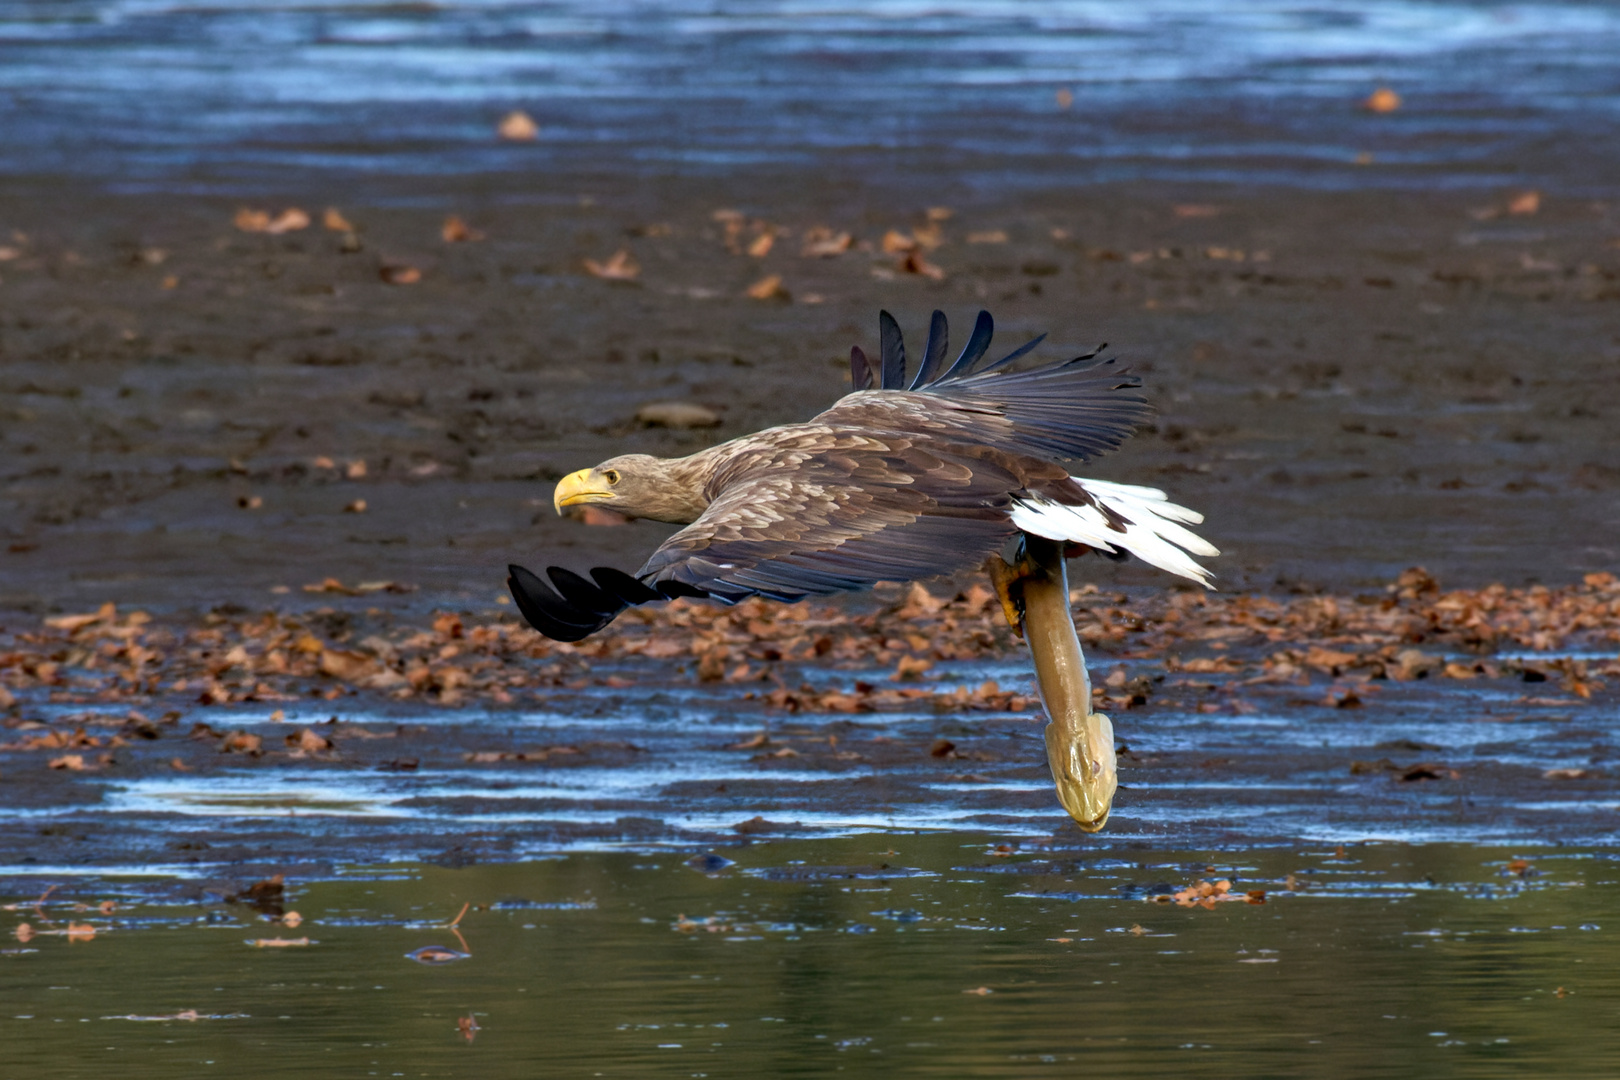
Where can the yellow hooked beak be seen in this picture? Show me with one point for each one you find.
(577, 487)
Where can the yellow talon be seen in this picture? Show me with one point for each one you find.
(1005, 579)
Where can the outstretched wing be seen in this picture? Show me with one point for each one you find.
(1072, 410)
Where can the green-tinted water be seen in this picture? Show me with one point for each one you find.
(867, 955)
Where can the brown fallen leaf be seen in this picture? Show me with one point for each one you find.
(358, 506)
(762, 244)
(769, 288)
(355, 470)
(988, 236)
(251, 220)
(822, 242)
(895, 242)
(71, 763)
(70, 623)
(1525, 203)
(1566, 774)
(1382, 100)
(80, 932)
(399, 274)
(268, 891)
(468, 1027)
(334, 221)
(979, 991)
(291, 919)
(249, 502)
(518, 126)
(346, 664)
(456, 231)
(620, 266)
(1195, 210)
(914, 263)
(290, 220)
(242, 742)
(909, 667)
(278, 943)
(309, 741)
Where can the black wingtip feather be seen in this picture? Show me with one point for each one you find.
(860, 369)
(584, 594)
(984, 328)
(939, 340)
(548, 612)
(892, 353)
(627, 588)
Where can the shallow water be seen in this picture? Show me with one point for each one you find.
(914, 954)
(236, 96)
(1215, 760)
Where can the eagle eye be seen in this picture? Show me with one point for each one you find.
(611, 476)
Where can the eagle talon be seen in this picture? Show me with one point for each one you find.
(1007, 580)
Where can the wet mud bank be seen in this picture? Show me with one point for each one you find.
(1348, 383)
(278, 743)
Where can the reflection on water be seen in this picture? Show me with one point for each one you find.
(234, 95)
(940, 954)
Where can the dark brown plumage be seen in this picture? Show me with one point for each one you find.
(889, 484)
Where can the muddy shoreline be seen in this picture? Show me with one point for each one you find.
(1348, 384)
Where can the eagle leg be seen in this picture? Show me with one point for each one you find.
(1079, 742)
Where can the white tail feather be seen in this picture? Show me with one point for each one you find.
(1153, 533)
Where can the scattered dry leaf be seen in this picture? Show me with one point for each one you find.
(1382, 100)
(914, 263)
(334, 221)
(1525, 203)
(620, 266)
(821, 242)
(456, 231)
(399, 274)
(769, 288)
(518, 126)
(1064, 97)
